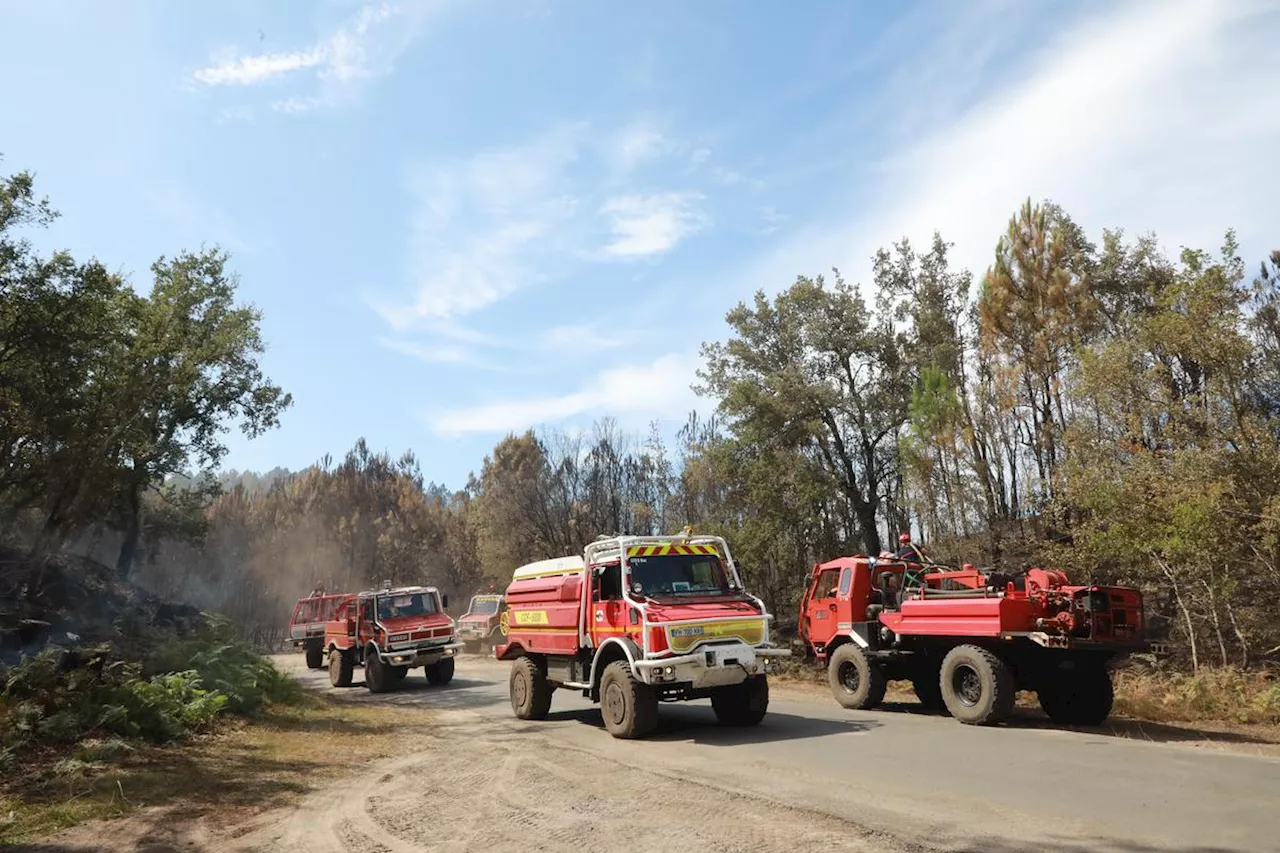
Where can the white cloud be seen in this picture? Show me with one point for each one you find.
(638, 142)
(486, 227)
(448, 354)
(364, 46)
(249, 70)
(645, 225)
(658, 389)
(581, 337)
(1146, 116)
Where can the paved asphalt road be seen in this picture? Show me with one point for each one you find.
(925, 782)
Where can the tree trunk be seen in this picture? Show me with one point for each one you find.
(132, 531)
(1182, 606)
(1235, 626)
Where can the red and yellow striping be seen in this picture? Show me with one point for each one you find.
(664, 550)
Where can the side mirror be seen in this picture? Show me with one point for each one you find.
(444, 601)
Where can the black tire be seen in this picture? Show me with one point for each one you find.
(742, 704)
(977, 686)
(629, 708)
(377, 676)
(397, 674)
(440, 672)
(1082, 696)
(340, 668)
(927, 683)
(857, 682)
(315, 657)
(530, 690)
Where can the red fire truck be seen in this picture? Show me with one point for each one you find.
(635, 621)
(388, 632)
(306, 624)
(481, 623)
(969, 639)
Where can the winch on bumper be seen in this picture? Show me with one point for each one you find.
(715, 665)
(411, 655)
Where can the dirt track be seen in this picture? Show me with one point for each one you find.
(811, 777)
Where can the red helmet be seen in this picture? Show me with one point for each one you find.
(905, 538)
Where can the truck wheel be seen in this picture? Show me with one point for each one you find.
(315, 656)
(530, 690)
(1078, 697)
(340, 667)
(376, 676)
(397, 674)
(440, 672)
(927, 682)
(856, 681)
(742, 704)
(629, 708)
(977, 686)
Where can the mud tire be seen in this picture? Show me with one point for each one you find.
(377, 675)
(315, 656)
(927, 683)
(340, 668)
(530, 690)
(977, 686)
(742, 704)
(440, 672)
(856, 681)
(629, 708)
(1082, 696)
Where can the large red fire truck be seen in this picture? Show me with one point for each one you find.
(634, 621)
(968, 640)
(388, 632)
(481, 624)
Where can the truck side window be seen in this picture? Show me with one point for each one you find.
(609, 584)
(846, 581)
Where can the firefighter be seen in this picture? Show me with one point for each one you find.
(907, 551)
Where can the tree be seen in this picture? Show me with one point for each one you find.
(192, 367)
(816, 369)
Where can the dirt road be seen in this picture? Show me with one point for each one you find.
(811, 777)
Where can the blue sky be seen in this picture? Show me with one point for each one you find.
(464, 218)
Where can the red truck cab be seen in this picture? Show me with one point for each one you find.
(388, 632)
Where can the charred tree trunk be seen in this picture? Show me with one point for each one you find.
(132, 531)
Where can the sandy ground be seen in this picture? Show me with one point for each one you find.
(811, 777)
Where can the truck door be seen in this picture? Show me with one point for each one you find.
(608, 613)
(820, 613)
(365, 624)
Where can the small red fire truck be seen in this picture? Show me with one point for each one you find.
(481, 623)
(634, 621)
(969, 639)
(388, 632)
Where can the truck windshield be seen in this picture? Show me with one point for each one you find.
(410, 604)
(679, 575)
(484, 606)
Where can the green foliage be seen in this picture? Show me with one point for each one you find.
(58, 696)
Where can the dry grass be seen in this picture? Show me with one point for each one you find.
(244, 769)
(1214, 695)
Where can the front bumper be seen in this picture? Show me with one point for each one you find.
(472, 632)
(422, 656)
(717, 665)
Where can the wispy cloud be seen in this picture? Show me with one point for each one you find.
(645, 225)
(636, 143)
(1145, 116)
(486, 227)
(509, 218)
(448, 354)
(362, 47)
(660, 388)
